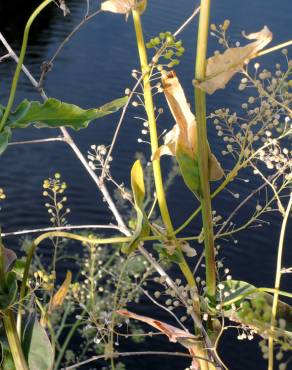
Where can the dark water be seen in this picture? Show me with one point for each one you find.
(94, 68)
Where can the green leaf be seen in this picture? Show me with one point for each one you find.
(54, 113)
(8, 297)
(253, 307)
(189, 168)
(18, 268)
(36, 345)
(142, 225)
(137, 183)
(5, 136)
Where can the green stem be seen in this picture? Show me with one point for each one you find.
(2, 268)
(20, 61)
(277, 283)
(149, 107)
(203, 148)
(14, 342)
(67, 341)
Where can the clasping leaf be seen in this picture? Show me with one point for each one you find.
(181, 141)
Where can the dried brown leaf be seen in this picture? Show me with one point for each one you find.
(173, 333)
(181, 140)
(184, 337)
(59, 296)
(123, 6)
(118, 6)
(222, 67)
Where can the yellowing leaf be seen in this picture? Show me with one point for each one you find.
(222, 67)
(181, 140)
(58, 298)
(138, 188)
(124, 6)
(137, 183)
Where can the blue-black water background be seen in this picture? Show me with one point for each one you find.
(95, 67)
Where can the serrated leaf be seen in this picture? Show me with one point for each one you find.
(59, 296)
(254, 309)
(36, 345)
(138, 188)
(222, 67)
(54, 113)
(181, 140)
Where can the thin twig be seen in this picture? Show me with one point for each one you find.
(6, 56)
(191, 17)
(37, 141)
(60, 228)
(164, 308)
(48, 65)
(127, 354)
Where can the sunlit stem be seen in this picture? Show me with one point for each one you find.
(13, 340)
(277, 283)
(203, 149)
(20, 61)
(274, 48)
(149, 106)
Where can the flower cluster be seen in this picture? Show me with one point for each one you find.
(166, 45)
(53, 190)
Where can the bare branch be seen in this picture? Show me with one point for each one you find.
(60, 228)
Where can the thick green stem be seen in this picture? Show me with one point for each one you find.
(14, 342)
(149, 107)
(20, 61)
(203, 149)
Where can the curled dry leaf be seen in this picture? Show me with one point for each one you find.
(184, 337)
(222, 67)
(59, 297)
(124, 6)
(181, 140)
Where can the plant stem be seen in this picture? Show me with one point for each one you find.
(149, 107)
(20, 61)
(14, 342)
(203, 148)
(277, 283)
(67, 341)
(2, 268)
